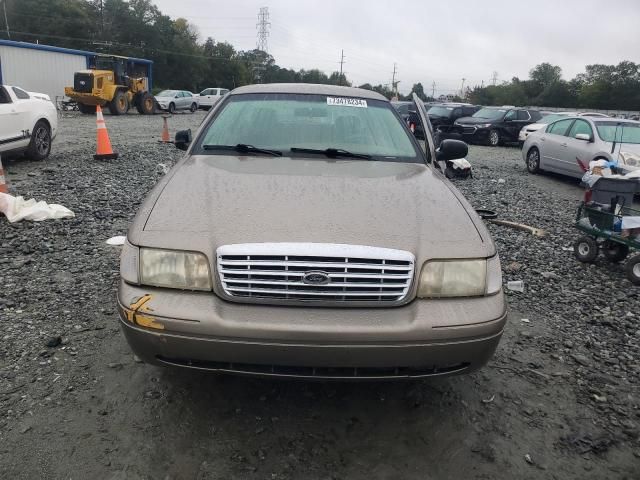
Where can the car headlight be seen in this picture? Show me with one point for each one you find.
(484, 125)
(174, 269)
(460, 278)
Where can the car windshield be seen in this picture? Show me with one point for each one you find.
(436, 111)
(551, 118)
(621, 132)
(282, 122)
(167, 93)
(490, 113)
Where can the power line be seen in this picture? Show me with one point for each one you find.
(263, 29)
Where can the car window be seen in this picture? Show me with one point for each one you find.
(457, 112)
(223, 91)
(511, 115)
(186, 94)
(623, 132)
(21, 94)
(402, 109)
(580, 126)
(285, 121)
(535, 115)
(523, 115)
(206, 91)
(4, 96)
(560, 127)
(490, 113)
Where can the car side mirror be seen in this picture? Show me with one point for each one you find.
(583, 136)
(451, 150)
(183, 139)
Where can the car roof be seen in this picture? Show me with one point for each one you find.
(309, 89)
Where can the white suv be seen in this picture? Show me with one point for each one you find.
(28, 122)
(210, 96)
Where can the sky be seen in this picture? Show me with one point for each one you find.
(430, 42)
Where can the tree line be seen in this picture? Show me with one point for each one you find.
(607, 87)
(137, 28)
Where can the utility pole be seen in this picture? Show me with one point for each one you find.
(6, 22)
(494, 78)
(482, 84)
(341, 64)
(263, 26)
(462, 88)
(394, 83)
(433, 89)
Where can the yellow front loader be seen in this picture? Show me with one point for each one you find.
(112, 82)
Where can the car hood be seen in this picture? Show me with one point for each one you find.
(474, 120)
(534, 126)
(209, 201)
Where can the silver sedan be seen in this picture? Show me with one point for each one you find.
(569, 144)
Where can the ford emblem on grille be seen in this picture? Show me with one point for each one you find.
(315, 278)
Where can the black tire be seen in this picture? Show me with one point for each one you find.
(585, 249)
(145, 104)
(119, 104)
(172, 108)
(633, 269)
(40, 145)
(87, 109)
(533, 160)
(193, 108)
(494, 138)
(614, 252)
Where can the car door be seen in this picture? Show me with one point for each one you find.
(185, 101)
(553, 145)
(205, 96)
(12, 121)
(421, 111)
(578, 148)
(188, 100)
(508, 125)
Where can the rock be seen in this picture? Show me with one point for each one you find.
(53, 342)
(528, 459)
(581, 359)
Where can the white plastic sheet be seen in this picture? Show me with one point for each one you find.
(17, 209)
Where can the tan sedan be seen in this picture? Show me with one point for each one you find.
(305, 233)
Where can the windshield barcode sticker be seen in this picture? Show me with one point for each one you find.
(347, 102)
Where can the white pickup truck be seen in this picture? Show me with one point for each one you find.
(28, 122)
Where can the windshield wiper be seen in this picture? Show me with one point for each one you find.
(244, 148)
(332, 152)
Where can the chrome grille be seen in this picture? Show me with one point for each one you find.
(469, 130)
(279, 271)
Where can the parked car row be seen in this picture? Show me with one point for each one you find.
(173, 100)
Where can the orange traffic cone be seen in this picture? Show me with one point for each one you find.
(3, 180)
(103, 147)
(165, 130)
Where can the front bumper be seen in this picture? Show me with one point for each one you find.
(199, 330)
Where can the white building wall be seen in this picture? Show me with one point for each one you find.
(39, 70)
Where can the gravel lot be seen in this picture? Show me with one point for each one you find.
(559, 400)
